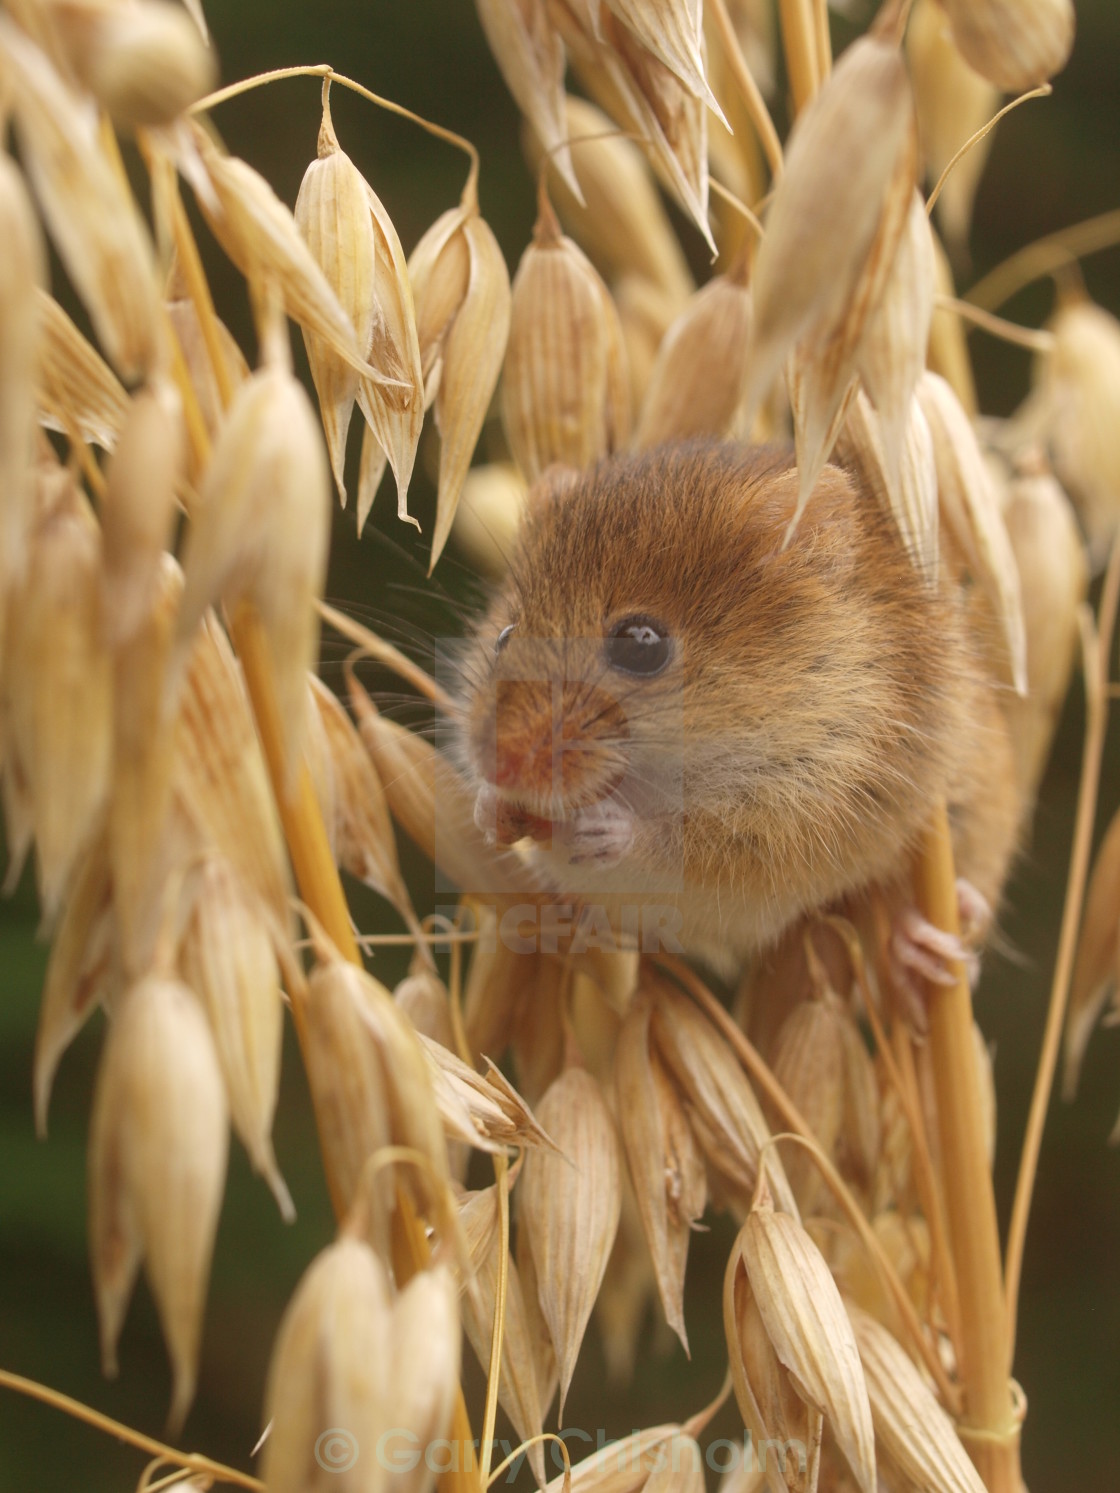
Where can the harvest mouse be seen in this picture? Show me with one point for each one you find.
(667, 701)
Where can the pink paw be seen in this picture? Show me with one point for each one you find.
(602, 834)
(919, 951)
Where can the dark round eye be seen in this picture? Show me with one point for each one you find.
(638, 645)
(503, 637)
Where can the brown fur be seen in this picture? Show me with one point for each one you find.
(821, 697)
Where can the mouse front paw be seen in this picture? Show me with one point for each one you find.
(602, 834)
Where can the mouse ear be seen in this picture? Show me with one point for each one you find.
(554, 483)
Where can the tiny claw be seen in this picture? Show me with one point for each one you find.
(975, 913)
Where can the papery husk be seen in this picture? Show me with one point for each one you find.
(673, 31)
(329, 1382)
(910, 1426)
(363, 829)
(157, 1163)
(645, 313)
(698, 379)
(808, 1062)
(904, 1238)
(621, 224)
(724, 1112)
(948, 352)
(493, 1109)
(641, 94)
(489, 515)
(679, 1468)
(824, 252)
(810, 1332)
(260, 532)
(565, 386)
(23, 272)
(221, 779)
(530, 57)
(540, 1339)
(569, 1207)
(1098, 956)
(80, 970)
(143, 62)
(623, 1466)
(424, 1382)
(90, 213)
(227, 957)
(139, 509)
(911, 499)
(518, 1390)
(424, 999)
(461, 291)
(952, 101)
(1016, 44)
(970, 509)
(77, 389)
(626, 1295)
(665, 1163)
(1054, 578)
(183, 315)
(58, 681)
(1077, 408)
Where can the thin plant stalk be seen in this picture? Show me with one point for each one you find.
(1044, 256)
(748, 88)
(799, 42)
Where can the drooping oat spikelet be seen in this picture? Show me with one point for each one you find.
(645, 313)
(569, 1208)
(621, 1466)
(462, 296)
(911, 495)
(59, 682)
(260, 532)
(22, 273)
(90, 213)
(679, 1468)
(494, 1111)
(565, 388)
(77, 389)
(920, 1443)
(666, 1166)
(1017, 44)
(330, 1379)
(144, 62)
(622, 224)
(157, 1164)
(673, 31)
(425, 1374)
(953, 101)
(227, 958)
(530, 55)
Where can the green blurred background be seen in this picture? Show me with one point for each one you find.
(1053, 163)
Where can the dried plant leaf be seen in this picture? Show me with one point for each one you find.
(157, 1164)
(570, 1207)
(77, 388)
(92, 218)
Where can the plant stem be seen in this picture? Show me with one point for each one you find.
(985, 1368)
(748, 88)
(799, 41)
(1045, 256)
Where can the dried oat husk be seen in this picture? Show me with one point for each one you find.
(666, 1166)
(911, 497)
(1077, 407)
(260, 532)
(697, 383)
(495, 1113)
(89, 211)
(621, 224)
(641, 95)
(679, 1468)
(569, 1208)
(424, 999)
(58, 683)
(1016, 44)
(80, 970)
(645, 313)
(530, 57)
(183, 315)
(915, 1437)
(461, 290)
(144, 62)
(971, 511)
(362, 827)
(77, 389)
(1097, 969)
(621, 1466)
(226, 956)
(725, 1115)
(139, 509)
(904, 1238)
(948, 352)
(424, 1383)
(835, 220)
(952, 101)
(1054, 577)
(489, 515)
(807, 1327)
(565, 394)
(22, 274)
(330, 1376)
(157, 1163)
(673, 32)
(518, 1389)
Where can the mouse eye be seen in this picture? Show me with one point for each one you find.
(503, 637)
(638, 645)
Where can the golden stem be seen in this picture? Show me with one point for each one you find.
(191, 1461)
(1043, 91)
(1096, 724)
(985, 1368)
(748, 88)
(824, 38)
(799, 41)
(1032, 338)
(1045, 256)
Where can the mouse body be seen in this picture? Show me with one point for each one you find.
(665, 700)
